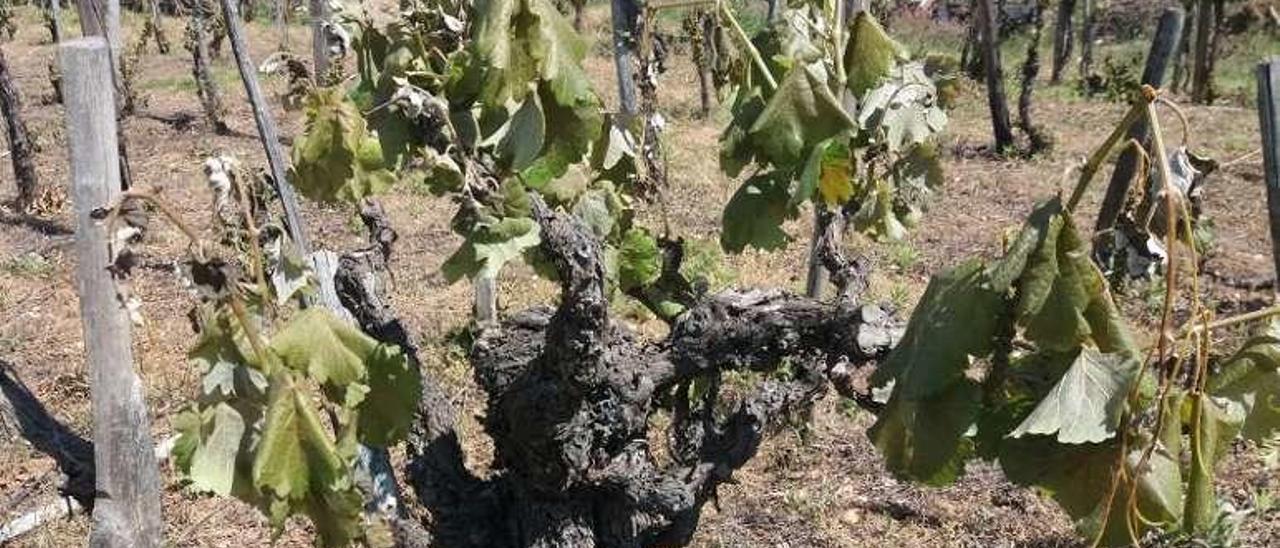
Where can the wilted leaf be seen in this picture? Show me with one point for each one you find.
(490, 246)
(799, 115)
(336, 159)
(903, 110)
(754, 215)
(954, 322)
(208, 447)
(869, 55)
(1251, 378)
(924, 438)
(1079, 478)
(394, 389)
(1086, 403)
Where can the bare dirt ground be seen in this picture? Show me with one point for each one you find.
(821, 485)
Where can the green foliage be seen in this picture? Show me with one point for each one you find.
(1027, 361)
(256, 431)
(850, 126)
(336, 159)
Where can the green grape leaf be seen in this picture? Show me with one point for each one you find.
(336, 159)
(876, 217)
(208, 447)
(1251, 377)
(800, 114)
(600, 208)
(1063, 299)
(489, 246)
(1079, 477)
(736, 151)
(924, 430)
(1086, 403)
(954, 322)
(299, 466)
(902, 111)
(639, 263)
(327, 349)
(523, 135)
(1214, 422)
(915, 176)
(754, 215)
(925, 438)
(870, 54)
(516, 42)
(394, 387)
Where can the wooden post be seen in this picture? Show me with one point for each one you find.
(1163, 48)
(267, 132)
(102, 18)
(1200, 68)
(624, 18)
(319, 42)
(999, 105)
(1269, 121)
(127, 505)
(485, 308)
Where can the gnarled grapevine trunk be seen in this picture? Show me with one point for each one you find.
(206, 86)
(1063, 39)
(989, 27)
(21, 150)
(1039, 141)
(571, 396)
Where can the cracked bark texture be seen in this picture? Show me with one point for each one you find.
(571, 396)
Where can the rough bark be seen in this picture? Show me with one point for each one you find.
(206, 87)
(21, 149)
(1200, 71)
(704, 52)
(1063, 39)
(1087, 17)
(1180, 69)
(996, 100)
(53, 20)
(155, 28)
(970, 54)
(1038, 140)
(571, 395)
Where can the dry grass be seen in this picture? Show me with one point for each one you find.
(817, 486)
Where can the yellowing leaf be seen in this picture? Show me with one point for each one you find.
(835, 185)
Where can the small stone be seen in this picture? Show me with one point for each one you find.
(851, 517)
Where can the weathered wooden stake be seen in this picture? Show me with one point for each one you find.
(624, 18)
(127, 506)
(267, 131)
(485, 308)
(1201, 73)
(319, 42)
(1163, 48)
(1269, 121)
